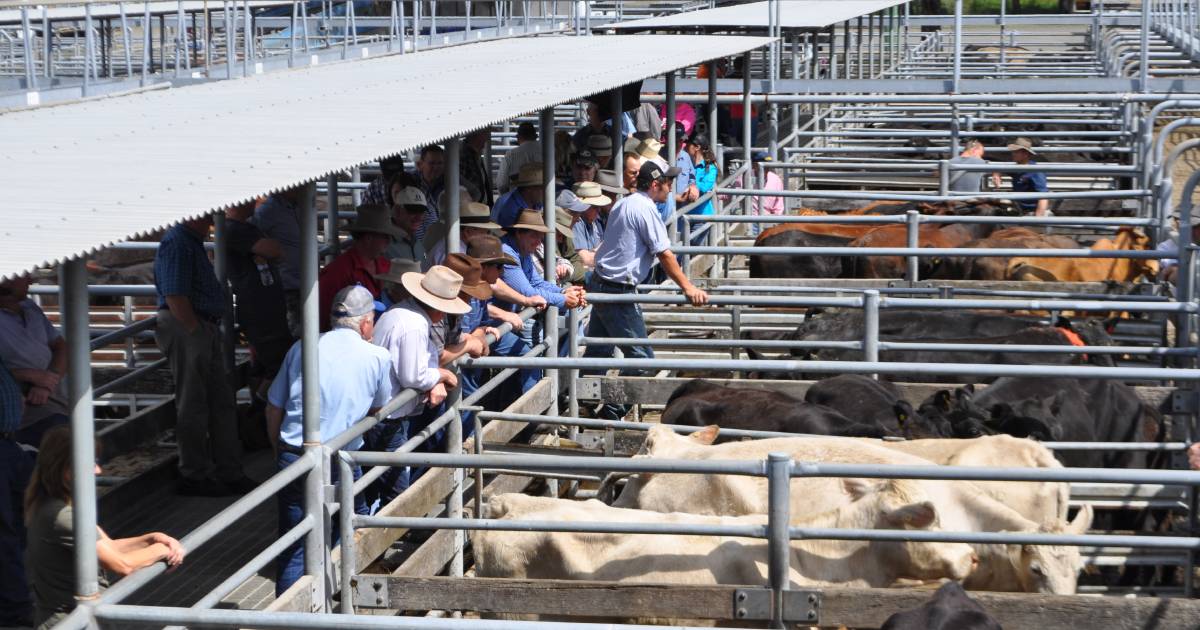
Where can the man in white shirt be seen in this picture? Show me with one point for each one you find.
(528, 150)
(404, 330)
(1169, 247)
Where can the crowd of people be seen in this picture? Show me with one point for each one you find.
(397, 306)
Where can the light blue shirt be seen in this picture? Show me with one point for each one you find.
(633, 238)
(525, 279)
(353, 379)
(586, 235)
(687, 173)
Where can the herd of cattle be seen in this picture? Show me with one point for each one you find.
(858, 419)
(945, 235)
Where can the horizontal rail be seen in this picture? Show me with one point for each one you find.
(844, 367)
(106, 290)
(130, 377)
(900, 219)
(124, 333)
(923, 252)
(860, 195)
(802, 301)
(885, 345)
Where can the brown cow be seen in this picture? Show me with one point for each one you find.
(1033, 268)
(937, 236)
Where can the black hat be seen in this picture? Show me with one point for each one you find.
(527, 130)
(586, 156)
(652, 171)
(699, 140)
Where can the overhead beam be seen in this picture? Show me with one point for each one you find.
(696, 90)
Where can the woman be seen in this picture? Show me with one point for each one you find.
(49, 558)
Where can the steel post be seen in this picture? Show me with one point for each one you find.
(778, 470)
(747, 128)
(454, 502)
(672, 145)
(247, 39)
(453, 198)
(74, 299)
(27, 49)
(912, 235)
(714, 138)
(349, 558)
(89, 63)
(617, 132)
(332, 240)
(1144, 49)
(221, 268)
(546, 133)
(314, 486)
(573, 375)
(958, 45)
(870, 325)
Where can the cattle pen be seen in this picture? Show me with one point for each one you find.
(859, 102)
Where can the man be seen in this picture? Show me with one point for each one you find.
(390, 168)
(647, 120)
(190, 304)
(528, 193)
(968, 181)
(251, 261)
(650, 150)
(405, 332)
(36, 354)
(1032, 181)
(354, 379)
(408, 213)
(583, 168)
(601, 147)
(633, 239)
(1169, 265)
(586, 202)
(16, 467)
(488, 250)
(759, 206)
(474, 169)
(520, 244)
(474, 220)
(632, 163)
(430, 178)
(279, 219)
(685, 183)
(595, 127)
(373, 232)
(527, 151)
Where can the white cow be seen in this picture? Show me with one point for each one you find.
(962, 506)
(689, 559)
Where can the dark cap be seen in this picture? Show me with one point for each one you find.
(586, 156)
(699, 140)
(651, 172)
(527, 130)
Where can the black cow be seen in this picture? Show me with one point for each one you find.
(950, 608)
(701, 403)
(868, 400)
(955, 415)
(788, 266)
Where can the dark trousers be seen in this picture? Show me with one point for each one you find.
(616, 320)
(289, 566)
(387, 437)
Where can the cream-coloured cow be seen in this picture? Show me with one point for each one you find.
(962, 506)
(689, 559)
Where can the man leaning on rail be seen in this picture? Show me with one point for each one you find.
(354, 379)
(633, 239)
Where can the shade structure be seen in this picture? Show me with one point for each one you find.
(83, 176)
(793, 14)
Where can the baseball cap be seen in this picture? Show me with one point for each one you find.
(652, 171)
(699, 140)
(568, 200)
(353, 301)
(586, 156)
(411, 196)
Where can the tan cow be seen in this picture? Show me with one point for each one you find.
(689, 559)
(962, 506)
(1040, 502)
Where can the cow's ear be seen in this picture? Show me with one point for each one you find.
(705, 436)
(904, 412)
(916, 515)
(941, 399)
(1056, 403)
(965, 392)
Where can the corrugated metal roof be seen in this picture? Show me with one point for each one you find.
(79, 177)
(132, 9)
(796, 14)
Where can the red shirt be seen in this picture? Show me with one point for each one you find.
(348, 269)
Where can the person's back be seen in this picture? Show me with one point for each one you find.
(966, 181)
(633, 236)
(50, 562)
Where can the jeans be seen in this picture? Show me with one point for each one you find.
(511, 345)
(32, 434)
(387, 437)
(289, 566)
(616, 320)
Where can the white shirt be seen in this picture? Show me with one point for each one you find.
(404, 332)
(519, 156)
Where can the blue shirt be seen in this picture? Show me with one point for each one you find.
(1033, 181)
(474, 318)
(633, 239)
(525, 279)
(432, 193)
(705, 177)
(508, 207)
(353, 378)
(182, 267)
(586, 235)
(687, 173)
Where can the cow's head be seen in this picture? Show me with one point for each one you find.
(953, 414)
(661, 442)
(1033, 418)
(902, 504)
(912, 425)
(1054, 569)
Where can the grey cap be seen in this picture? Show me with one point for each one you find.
(568, 200)
(352, 302)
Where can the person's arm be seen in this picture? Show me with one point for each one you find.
(1040, 185)
(516, 278)
(274, 422)
(507, 317)
(58, 356)
(671, 267)
(1194, 456)
(268, 248)
(1043, 207)
(37, 378)
(122, 563)
(506, 293)
(588, 257)
(181, 309)
(467, 344)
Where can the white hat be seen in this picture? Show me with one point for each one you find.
(591, 194)
(438, 288)
(410, 196)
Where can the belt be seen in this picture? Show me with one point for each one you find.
(620, 285)
(201, 316)
(288, 448)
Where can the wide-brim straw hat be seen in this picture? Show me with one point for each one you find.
(477, 215)
(562, 222)
(649, 149)
(488, 249)
(1022, 144)
(529, 175)
(472, 274)
(591, 193)
(376, 219)
(530, 220)
(438, 289)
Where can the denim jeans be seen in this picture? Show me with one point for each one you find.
(616, 320)
(289, 566)
(388, 436)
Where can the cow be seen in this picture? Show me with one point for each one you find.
(699, 403)
(696, 559)
(950, 608)
(963, 506)
(955, 415)
(1033, 268)
(871, 401)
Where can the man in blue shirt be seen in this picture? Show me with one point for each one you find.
(429, 176)
(1032, 181)
(190, 304)
(528, 193)
(354, 381)
(585, 203)
(633, 239)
